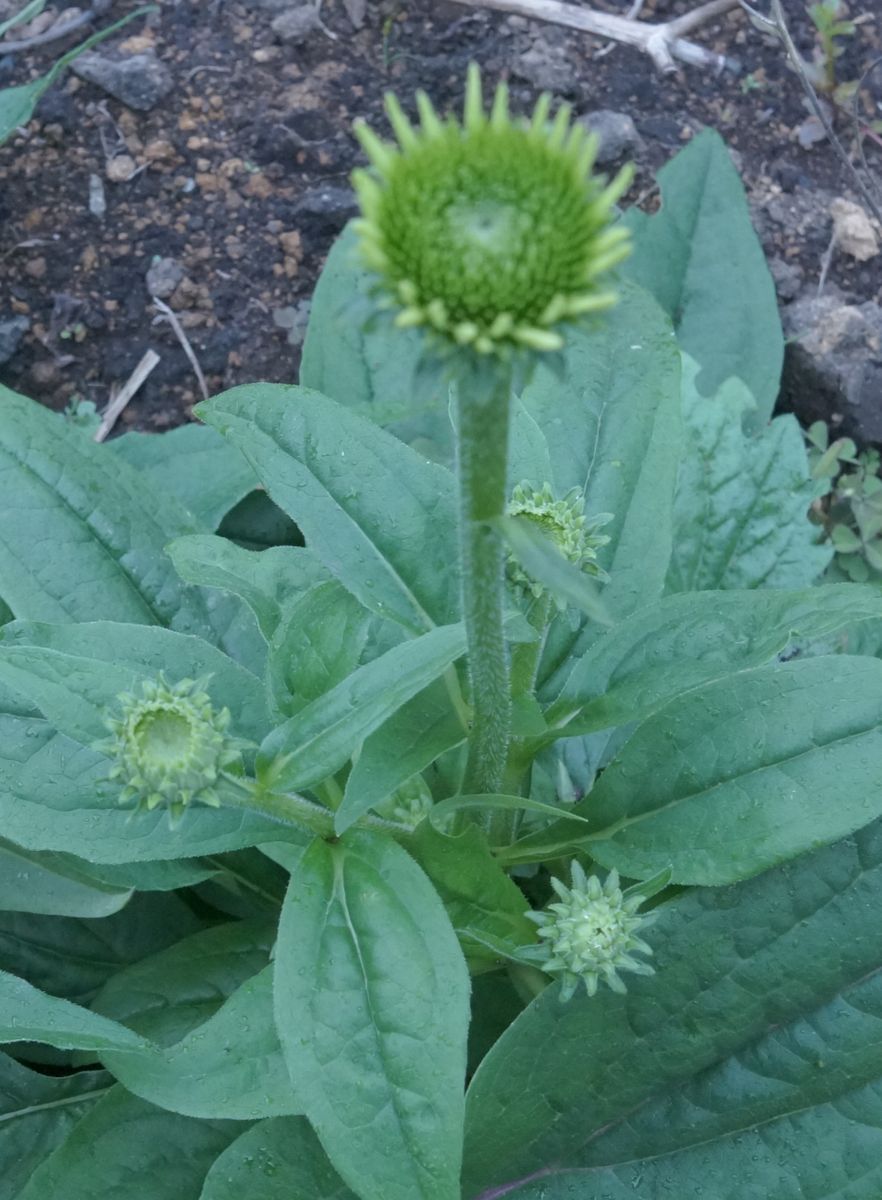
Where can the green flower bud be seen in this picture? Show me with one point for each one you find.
(490, 233)
(565, 524)
(589, 934)
(409, 805)
(169, 746)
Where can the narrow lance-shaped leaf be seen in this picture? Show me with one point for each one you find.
(372, 1011)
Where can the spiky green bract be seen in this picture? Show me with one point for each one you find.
(490, 233)
(590, 933)
(565, 523)
(410, 804)
(169, 746)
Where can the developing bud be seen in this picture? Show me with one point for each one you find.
(409, 805)
(169, 746)
(590, 933)
(493, 232)
(565, 523)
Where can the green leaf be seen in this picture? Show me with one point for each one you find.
(167, 995)
(410, 741)
(34, 882)
(369, 365)
(442, 811)
(372, 1012)
(81, 542)
(744, 773)
(37, 1113)
(321, 737)
(230, 1067)
(266, 580)
(121, 1145)
(74, 956)
(54, 795)
(25, 14)
(192, 463)
(29, 1015)
(685, 641)
(742, 504)
(612, 424)
(275, 1160)
(476, 892)
(380, 517)
(75, 673)
(318, 643)
(17, 104)
(543, 562)
(701, 259)
(750, 1064)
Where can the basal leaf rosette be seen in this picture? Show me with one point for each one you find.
(170, 746)
(491, 233)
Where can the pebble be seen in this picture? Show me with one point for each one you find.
(617, 133)
(139, 81)
(295, 25)
(121, 168)
(163, 277)
(11, 333)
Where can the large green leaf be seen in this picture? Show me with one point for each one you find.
(39, 882)
(372, 1012)
(319, 739)
(367, 364)
(701, 259)
(741, 511)
(75, 673)
(193, 463)
(74, 956)
(266, 580)
(318, 643)
(380, 517)
(29, 1015)
(37, 1113)
(611, 419)
(124, 1149)
(84, 535)
(684, 641)
(231, 1066)
(736, 776)
(275, 1160)
(750, 1064)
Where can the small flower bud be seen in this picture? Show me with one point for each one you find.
(565, 523)
(169, 746)
(409, 805)
(589, 933)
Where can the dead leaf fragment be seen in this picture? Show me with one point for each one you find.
(854, 230)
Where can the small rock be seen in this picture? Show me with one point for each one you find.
(788, 277)
(546, 67)
(11, 333)
(139, 81)
(296, 24)
(834, 363)
(294, 319)
(36, 267)
(854, 230)
(617, 133)
(163, 277)
(332, 203)
(121, 168)
(268, 5)
(356, 11)
(97, 199)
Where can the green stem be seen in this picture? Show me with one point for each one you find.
(483, 402)
(299, 813)
(526, 655)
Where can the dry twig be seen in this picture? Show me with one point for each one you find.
(663, 43)
(59, 30)
(111, 414)
(168, 314)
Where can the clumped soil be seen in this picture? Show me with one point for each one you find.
(239, 174)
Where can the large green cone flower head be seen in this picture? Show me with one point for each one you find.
(491, 233)
(590, 933)
(170, 747)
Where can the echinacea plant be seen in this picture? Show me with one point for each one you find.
(450, 792)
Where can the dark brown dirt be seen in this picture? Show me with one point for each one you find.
(241, 173)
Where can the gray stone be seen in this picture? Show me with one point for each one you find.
(273, 6)
(788, 277)
(11, 333)
(332, 204)
(295, 25)
(833, 367)
(294, 320)
(163, 277)
(617, 133)
(546, 67)
(139, 81)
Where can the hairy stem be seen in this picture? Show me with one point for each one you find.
(483, 402)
